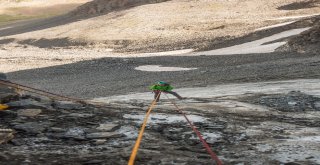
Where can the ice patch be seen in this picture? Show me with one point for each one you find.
(160, 118)
(308, 86)
(307, 139)
(212, 137)
(159, 68)
(130, 132)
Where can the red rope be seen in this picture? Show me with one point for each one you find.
(205, 144)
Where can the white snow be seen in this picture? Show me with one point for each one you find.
(276, 25)
(294, 17)
(257, 46)
(174, 52)
(159, 68)
(161, 118)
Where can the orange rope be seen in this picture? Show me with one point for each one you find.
(138, 141)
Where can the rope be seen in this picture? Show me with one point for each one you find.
(3, 107)
(205, 144)
(36, 91)
(138, 141)
(47, 94)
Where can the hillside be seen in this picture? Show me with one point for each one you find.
(158, 25)
(308, 41)
(17, 10)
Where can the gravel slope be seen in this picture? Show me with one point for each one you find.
(111, 76)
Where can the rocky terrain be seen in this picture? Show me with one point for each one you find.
(243, 129)
(252, 104)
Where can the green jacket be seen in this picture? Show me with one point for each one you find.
(161, 88)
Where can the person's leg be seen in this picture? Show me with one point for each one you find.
(175, 94)
(156, 93)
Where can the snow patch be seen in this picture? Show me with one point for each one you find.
(256, 46)
(159, 68)
(161, 118)
(276, 25)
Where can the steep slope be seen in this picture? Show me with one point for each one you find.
(103, 6)
(13, 10)
(308, 41)
(157, 25)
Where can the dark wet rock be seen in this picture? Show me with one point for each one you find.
(7, 97)
(68, 105)
(90, 162)
(3, 76)
(80, 115)
(291, 102)
(32, 127)
(103, 135)
(292, 163)
(28, 103)
(56, 129)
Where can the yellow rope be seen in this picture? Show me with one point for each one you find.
(138, 141)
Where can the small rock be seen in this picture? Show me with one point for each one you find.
(28, 103)
(31, 127)
(99, 141)
(107, 127)
(29, 112)
(56, 129)
(102, 135)
(80, 115)
(67, 105)
(94, 162)
(6, 137)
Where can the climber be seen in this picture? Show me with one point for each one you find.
(162, 86)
